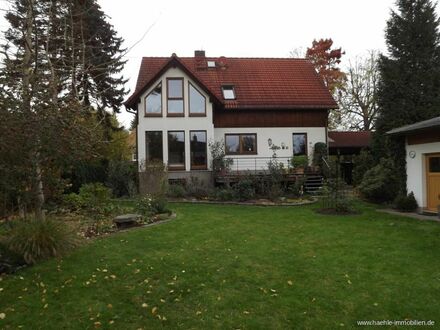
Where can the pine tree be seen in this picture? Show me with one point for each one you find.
(409, 88)
(61, 70)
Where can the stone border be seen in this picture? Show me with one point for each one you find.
(172, 217)
(411, 215)
(196, 201)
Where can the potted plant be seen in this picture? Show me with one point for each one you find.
(299, 163)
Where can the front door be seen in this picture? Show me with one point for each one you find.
(433, 181)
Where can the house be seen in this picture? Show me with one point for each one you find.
(345, 145)
(249, 104)
(423, 161)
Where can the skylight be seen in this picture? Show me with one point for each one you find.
(211, 64)
(228, 92)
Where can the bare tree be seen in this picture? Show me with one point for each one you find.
(358, 97)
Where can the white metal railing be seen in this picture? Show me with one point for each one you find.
(257, 164)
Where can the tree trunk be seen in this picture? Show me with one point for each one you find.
(28, 79)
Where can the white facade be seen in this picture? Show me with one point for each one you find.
(416, 169)
(166, 124)
(280, 136)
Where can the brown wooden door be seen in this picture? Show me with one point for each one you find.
(433, 181)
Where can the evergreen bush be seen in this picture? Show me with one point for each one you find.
(379, 183)
(406, 203)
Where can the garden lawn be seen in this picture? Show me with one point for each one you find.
(230, 267)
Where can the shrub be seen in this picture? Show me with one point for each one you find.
(159, 205)
(150, 205)
(379, 183)
(224, 194)
(73, 202)
(297, 188)
(299, 161)
(335, 199)
(176, 191)
(122, 178)
(218, 155)
(196, 188)
(153, 178)
(94, 195)
(34, 240)
(244, 189)
(319, 152)
(362, 163)
(9, 261)
(406, 203)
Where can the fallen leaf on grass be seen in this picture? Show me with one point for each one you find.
(198, 312)
(246, 312)
(290, 282)
(154, 310)
(144, 305)
(2, 316)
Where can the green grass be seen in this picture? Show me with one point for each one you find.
(229, 267)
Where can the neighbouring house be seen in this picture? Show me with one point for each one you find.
(131, 141)
(249, 104)
(423, 161)
(344, 145)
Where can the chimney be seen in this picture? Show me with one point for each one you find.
(199, 53)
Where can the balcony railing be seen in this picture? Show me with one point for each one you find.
(257, 164)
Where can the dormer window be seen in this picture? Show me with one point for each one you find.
(211, 64)
(228, 92)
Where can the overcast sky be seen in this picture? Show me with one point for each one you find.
(243, 28)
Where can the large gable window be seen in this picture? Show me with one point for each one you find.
(228, 92)
(241, 144)
(197, 102)
(176, 150)
(153, 146)
(175, 96)
(199, 150)
(299, 144)
(153, 102)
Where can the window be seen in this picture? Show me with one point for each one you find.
(153, 146)
(211, 64)
(299, 144)
(153, 102)
(199, 150)
(241, 144)
(175, 96)
(197, 102)
(434, 164)
(228, 92)
(176, 150)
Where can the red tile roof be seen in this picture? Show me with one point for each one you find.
(349, 139)
(258, 82)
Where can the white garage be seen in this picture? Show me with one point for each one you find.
(423, 162)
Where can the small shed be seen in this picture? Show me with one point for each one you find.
(345, 145)
(423, 161)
